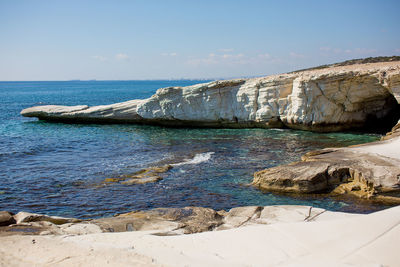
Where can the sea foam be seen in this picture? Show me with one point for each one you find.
(198, 158)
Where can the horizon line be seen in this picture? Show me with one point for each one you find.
(126, 80)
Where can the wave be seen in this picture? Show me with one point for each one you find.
(198, 158)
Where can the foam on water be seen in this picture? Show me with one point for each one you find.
(198, 158)
(55, 168)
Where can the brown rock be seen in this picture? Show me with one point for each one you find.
(6, 218)
(302, 177)
(173, 221)
(147, 175)
(164, 220)
(349, 171)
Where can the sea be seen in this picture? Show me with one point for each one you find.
(60, 169)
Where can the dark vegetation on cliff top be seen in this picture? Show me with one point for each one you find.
(353, 62)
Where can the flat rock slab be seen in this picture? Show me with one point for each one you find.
(166, 221)
(120, 112)
(356, 170)
(26, 217)
(357, 240)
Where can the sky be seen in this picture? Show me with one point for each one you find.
(171, 39)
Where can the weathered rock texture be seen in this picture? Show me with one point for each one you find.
(166, 221)
(368, 171)
(328, 99)
(395, 132)
(324, 170)
(332, 240)
(147, 175)
(6, 218)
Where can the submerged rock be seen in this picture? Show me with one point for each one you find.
(329, 99)
(147, 175)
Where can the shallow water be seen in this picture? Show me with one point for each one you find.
(59, 169)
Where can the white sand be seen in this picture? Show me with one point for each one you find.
(362, 240)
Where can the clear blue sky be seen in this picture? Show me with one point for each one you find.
(125, 40)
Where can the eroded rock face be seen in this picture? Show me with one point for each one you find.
(341, 170)
(395, 132)
(329, 99)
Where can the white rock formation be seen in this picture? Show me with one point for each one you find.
(289, 239)
(329, 99)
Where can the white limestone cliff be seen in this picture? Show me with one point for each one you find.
(329, 99)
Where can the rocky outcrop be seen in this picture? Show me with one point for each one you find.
(25, 217)
(324, 170)
(27, 223)
(120, 112)
(331, 239)
(6, 218)
(329, 99)
(143, 176)
(188, 220)
(395, 132)
(368, 171)
(333, 98)
(167, 221)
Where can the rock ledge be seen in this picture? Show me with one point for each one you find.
(329, 99)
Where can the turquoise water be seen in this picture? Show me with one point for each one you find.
(59, 169)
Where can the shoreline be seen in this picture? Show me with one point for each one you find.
(252, 235)
(280, 236)
(194, 236)
(163, 221)
(368, 171)
(330, 99)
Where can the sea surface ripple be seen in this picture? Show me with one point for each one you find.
(59, 169)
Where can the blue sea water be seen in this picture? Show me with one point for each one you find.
(59, 169)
